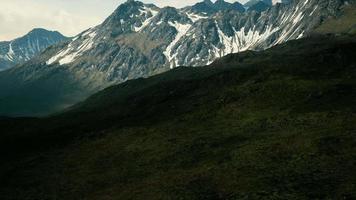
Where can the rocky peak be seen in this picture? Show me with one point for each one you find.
(170, 14)
(208, 2)
(221, 4)
(40, 32)
(209, 7)
(127, 18)
(126, 10)
(26, 47)
(238, 6)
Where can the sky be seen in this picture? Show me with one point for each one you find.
(70, 17)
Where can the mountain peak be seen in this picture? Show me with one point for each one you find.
(130, 1)
(38, 30)
(223, 5)
(221, 2)
(207, 6)
(41, 31)
(208, 2)
(24, 48)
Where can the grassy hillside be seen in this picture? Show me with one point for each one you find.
(277, 124)
(345, 23)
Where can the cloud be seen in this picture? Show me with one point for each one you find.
(19, 17)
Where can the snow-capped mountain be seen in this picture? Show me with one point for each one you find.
(141, 40)
(23, 49)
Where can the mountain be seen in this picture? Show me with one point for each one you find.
(238, 6)
(221, 5)
(141, 40)
(268, 2)
(274, 124)
(26, 47)
(259, 7)
(253, 2)
(208, 7)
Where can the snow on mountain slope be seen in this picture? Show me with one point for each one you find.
(68, 55)
(220, 34)
(274, 2)
(140, 40)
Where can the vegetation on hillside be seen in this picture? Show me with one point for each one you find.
(345, 23)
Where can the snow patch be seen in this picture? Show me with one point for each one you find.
(298, 18)
(10, 54)
(242, 40)
(274, 2)
(70, 53)
(144, 12)
(300, 35)
(312, 12)
(182, 29)
(195, 17)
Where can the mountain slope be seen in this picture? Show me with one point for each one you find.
(259, 7)
(276, 124)
(24, 48)
(141, 40)
(251, 3)
(208, 7)
(344, 23)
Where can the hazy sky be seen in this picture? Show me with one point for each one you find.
(17, 17)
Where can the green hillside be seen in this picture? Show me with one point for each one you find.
(276, 124)
(344, 23)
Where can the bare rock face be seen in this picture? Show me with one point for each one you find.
(141, 40)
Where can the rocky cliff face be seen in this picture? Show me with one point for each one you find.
(140, 40)
(23, 49)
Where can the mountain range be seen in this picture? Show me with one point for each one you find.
(274, 124)
(141, 40)
(26, 47)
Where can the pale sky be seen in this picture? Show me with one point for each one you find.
(70, 17)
